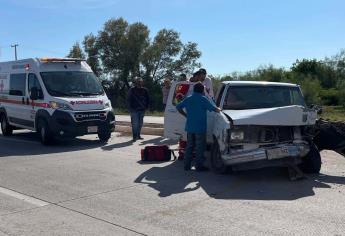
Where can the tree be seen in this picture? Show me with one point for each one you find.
(90, 47)
(122, 51)
(76, 52)
(316, 70)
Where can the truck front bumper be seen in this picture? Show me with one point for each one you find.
(294, 150)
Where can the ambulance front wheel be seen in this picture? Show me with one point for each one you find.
(104, 136)
(44, 132)
(6, 128)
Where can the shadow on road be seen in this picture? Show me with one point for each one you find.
(28, 143)
(263, 184)
(117, 145)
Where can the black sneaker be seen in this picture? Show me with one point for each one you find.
(140, 138)
(134, 140)
(201, 168)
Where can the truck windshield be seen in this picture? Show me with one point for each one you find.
(256, 97)
(71, 83)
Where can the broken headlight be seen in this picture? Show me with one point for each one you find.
(237, 135)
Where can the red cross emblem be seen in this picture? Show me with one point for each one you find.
(2, 86)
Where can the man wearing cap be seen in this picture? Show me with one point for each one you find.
(196, 106)
(195, 77)
(137, 101)
(207, 82)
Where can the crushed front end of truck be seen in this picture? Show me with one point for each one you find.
(280, 136)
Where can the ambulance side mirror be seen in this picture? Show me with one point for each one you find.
(34, 94)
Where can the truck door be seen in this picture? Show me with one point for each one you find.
(211, 115)
(174, 122)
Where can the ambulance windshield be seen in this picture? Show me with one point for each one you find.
(71, 83)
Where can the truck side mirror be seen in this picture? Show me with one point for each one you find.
(34, 93)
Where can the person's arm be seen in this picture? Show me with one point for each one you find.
(147, 99)
(182, 112)
(210, 106)
(129, 98)
(180, 107)
(210, 88)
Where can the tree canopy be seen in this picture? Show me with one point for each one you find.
(322, 81)
(122, 51)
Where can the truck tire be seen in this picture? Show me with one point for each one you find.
(217, 164)
(6, 128)
(46, 136)
(312, 162)
(104, 136)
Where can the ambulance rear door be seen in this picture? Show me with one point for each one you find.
(16, 102)
(174, 122)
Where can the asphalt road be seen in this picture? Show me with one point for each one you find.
(83, 188)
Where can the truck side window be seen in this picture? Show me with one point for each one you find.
(220, 95)
(33, 82)
(17, 84)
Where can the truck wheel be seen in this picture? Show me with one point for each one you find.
(217, 164)
(6, 128)
(44, 132)
(312, 162)
(104, 136)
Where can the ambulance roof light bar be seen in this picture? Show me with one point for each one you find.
(46, 59)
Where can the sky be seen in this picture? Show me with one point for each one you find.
(232, 35)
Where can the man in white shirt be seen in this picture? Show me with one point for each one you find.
(207, 82)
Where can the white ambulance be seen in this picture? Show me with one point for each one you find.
(57, 97)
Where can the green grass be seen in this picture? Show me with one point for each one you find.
(335, 113)
(147, 113)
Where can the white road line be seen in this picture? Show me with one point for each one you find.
(25, 198)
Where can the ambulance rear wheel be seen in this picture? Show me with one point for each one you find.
(104, 136)
(6, 128)
(44, 132)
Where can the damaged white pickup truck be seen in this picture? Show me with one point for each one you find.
(261, 124)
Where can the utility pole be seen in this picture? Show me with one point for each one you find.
(15, 49)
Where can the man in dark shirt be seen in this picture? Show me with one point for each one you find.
(196, 106)
(137, 101)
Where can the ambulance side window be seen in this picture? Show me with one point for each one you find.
(17, 84)
(33, 82)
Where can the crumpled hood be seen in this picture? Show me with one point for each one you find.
(86, 103)
(277, 116)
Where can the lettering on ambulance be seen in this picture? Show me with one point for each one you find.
(89, 102)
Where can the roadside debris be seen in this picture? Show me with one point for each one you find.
(330, 135)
